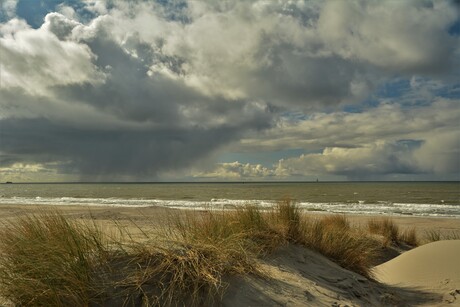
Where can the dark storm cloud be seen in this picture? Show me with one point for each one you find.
(149, 122)
(107, 153)
(294, 79)
(145, 87)
(163, 138)
(128, 92)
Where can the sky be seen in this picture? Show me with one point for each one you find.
(233, 90)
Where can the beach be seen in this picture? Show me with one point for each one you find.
(297, 276)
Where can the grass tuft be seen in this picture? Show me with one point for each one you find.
(333, 237)
(386, 228)
(47, 260)
(409, 236)
(287, 213)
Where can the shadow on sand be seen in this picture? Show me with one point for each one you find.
(296, 276)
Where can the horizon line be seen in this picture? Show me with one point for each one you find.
(225, 182)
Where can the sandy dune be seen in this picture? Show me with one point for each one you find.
(434, 267)
(426, 276)
(297, 276)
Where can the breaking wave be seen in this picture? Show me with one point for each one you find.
(360, 207)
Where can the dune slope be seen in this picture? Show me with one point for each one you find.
(434, 267)
(297, 276)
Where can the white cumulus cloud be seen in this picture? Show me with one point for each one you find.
(237, 171)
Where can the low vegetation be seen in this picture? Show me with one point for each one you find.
(47, 260)
(50, 260)
(333, 236)
(436, 235)
(409, 237)
(391, 234)
(386, 228)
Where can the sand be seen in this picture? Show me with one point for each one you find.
(295, 276)
(433, 267)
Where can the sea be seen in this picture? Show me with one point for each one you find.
(430, 199)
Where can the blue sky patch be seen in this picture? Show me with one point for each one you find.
(35, 11)
(267, 158)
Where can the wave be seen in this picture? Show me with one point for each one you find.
(360, 207)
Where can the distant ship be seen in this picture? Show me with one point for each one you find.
(9, 182)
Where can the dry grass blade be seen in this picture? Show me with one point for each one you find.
(47, 260)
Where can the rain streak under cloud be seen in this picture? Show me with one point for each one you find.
(229, 90)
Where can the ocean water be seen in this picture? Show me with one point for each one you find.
(441, 199)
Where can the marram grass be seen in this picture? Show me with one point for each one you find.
(333, 236)
(50, 260)
(391, 234)
(386, 228)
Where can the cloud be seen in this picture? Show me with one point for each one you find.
(380, 158)
(436, 155)
(236, 171)
(7, 9)
(246, 50)
(60, 25)
(392, 35)
(93, 105)
(388, 121)
(96, 152)
(440, 154)
(110, 88)
(35, 59)
(388, 139)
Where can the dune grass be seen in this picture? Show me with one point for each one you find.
(409, 236)
(50, 260)
(391, 233)
(386, 228)
(47, 260)
(436, 235)
(333, 236)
